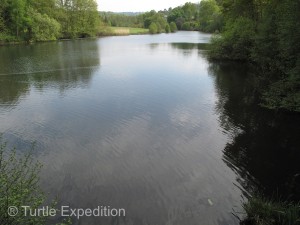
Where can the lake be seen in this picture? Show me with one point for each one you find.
(148, 124)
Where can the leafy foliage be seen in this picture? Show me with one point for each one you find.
(267, 34)
(19, 177)
(153, 28)
(261, 211)
(210, 17)
(122, 20)
(154, 17)
(167, 28)
(43, 27)
(40, 20)
(173, 27)
(19, 186)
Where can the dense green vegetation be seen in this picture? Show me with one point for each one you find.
(121, 19)
(205, 16)
(19, 186)
(261, 211)
(266, 34)
(41, 20)
(154, 21)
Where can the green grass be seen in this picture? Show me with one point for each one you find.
(261, 211)
(108, 31)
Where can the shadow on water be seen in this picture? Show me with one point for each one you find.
(11, 90)
(189, 46)
(264, 150)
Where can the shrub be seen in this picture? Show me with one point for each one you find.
(173, 27)
(19, 186)
(43, 27)
(186, 26)
(236, 41)
(167, 29)
(153, 28)
(261, 211)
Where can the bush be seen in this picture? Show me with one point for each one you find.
(236, 41)
(19, 186)
(159, 28)
(186, 26)
(44, 28)
(167, 29)
(261, 211)
(173, 27)
(153, 28)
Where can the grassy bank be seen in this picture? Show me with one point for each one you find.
(262, 211)
(115, 31)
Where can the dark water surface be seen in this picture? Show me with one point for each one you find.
(147, 124)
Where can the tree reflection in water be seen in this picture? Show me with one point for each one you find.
(264, 150)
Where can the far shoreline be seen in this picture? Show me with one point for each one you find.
(112, 32)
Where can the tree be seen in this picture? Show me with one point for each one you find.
(154, 17)
(168, 29)
(43, 27)
(173, 27)
(210, 18)
(78, 18)
(153, 28)
(186, 26)
(266, 34)
(41, 19)
(175, 13)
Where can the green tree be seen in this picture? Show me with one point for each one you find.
(153, 28)
(168, 29)
(266, 34)
(37, 19)
(154, 17)
(236, 41)
(175, 14)
(173, 27)
(43, 27)
(210, 18)
(186, 26)
(78, 18)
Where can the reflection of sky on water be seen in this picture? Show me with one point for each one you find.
(137, 131)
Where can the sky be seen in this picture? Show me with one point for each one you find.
(139, 5)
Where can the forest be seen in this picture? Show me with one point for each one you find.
(265, 34)
(42, 20)
(204, 16)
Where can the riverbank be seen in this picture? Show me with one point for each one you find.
(104, 31)
(116, 31)
(262, 211)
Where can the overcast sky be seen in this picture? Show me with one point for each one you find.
(138, 5)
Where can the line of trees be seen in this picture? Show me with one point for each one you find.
(266, 34)
(121, 19)
(205, 16)
(41, 20)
